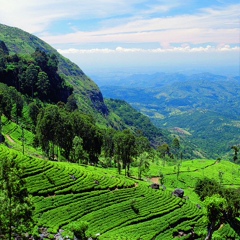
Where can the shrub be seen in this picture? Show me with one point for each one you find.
(79, 229)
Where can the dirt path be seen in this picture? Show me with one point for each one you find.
(9, 138)
(155, 180)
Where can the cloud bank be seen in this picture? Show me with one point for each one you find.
(183, 49)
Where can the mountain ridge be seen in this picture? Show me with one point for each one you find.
(89, 94)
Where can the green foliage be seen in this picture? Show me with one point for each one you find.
(79, 228)
(34, 77)
(112, 206)
(207, 187)
(215, 211)
(215, 207)
(136, 121)
(16, 205)
(143, 164)
(125, 148)
(89, 98)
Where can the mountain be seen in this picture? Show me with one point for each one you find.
(89, 96)
(203, 108)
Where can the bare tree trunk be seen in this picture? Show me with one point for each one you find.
(210, 231)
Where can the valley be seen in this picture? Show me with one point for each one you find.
(205, 106)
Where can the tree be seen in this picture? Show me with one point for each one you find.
(71, 104)
(47, 132)
(216, 207)
(125, 148)
(30, 79)
(5, 103)
(84, 127)
(108, 142)
(176, 146)
(16, 206)
(17, 102)
(142, 144)
(42, 85)
(236, 150)
(33, 112)
(164, 150)
(64, 133)
(233, 202)
(143, 164)
(77, 153)
(207, 187)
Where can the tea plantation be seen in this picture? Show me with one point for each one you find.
(115, 207)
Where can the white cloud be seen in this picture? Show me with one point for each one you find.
(183, 49)
(36, 15)
(209, 25)
(217, 26)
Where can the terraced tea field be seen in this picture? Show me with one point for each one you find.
(115, 207)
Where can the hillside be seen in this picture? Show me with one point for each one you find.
(89, 97)
(113, 206)
(205, 106)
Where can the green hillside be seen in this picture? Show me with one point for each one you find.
(89, 97)
(20, 52)
(114, 206)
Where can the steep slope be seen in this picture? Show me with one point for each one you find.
(89, 97)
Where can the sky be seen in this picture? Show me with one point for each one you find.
(135, 35)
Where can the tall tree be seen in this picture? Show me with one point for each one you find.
(216, 207)
(143, 164)
(30, 79)
(125, 148)
(33, 112)
(42, 85)
(16, 207)
(84, 127)
(47, 129)
(17, 102)
(236, 150)
(176, 147)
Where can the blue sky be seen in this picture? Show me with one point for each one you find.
(162, 35)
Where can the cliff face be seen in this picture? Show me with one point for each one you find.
(89, 97)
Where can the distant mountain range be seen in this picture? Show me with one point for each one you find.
(206, 106)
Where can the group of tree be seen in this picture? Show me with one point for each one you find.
(16, 205)
(11, 102)
(170, 150)
(34, 75)
(73, 134)
(124, 147)
(76, 136)
(222, 204)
